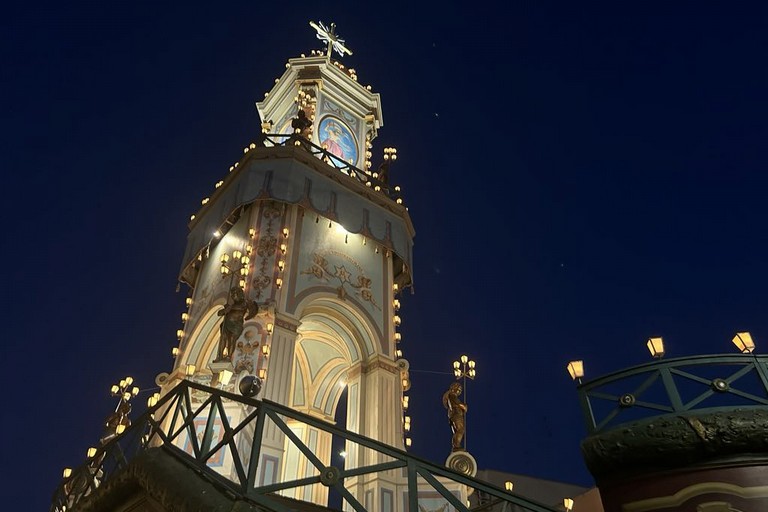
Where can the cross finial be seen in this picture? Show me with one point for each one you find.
(330, 38)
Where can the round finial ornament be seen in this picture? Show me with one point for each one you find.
(250, 386)
(462, 462)
(161, 378)
(402, 364)
(720, 385)
(627, 400)
(330, 476)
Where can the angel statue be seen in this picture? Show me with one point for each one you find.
(236, 311)
(456, 413)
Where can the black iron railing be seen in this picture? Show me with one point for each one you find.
(223, 435)
(342, 166)
(671, 387)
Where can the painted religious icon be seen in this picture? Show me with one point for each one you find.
(338, 140)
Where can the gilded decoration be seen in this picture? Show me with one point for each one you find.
(266, 248)
(358, 284)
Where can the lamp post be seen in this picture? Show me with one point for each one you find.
(118, 421)
(464, 369)
(744, 342)
(238, 264)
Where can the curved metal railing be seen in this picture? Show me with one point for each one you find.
(674, 386)
(227, 437)
(346, 168)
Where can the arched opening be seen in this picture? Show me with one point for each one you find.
(341, 376)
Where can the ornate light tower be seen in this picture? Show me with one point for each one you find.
(320, 240)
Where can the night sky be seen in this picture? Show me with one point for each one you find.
(580, 178)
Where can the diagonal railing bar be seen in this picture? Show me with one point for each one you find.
(296, 441)
(165, 405)
(445, 493)
(231, 432)
(365, 470)
(646, 384)
(339, 486)
(189, 421)
(233, 450)
(526, 503)
(690, 376)
(183, 412)
(291, 484)
(739, 374)
(176, 411)
(156, 429)
(603, 396)
(609, 417)
(215, 411)
(748, 396)
(258, 435)
(210, 425)
(652, 406)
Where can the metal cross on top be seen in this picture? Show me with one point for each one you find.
(330, 38)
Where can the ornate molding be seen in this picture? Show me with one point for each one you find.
(379, 363)
(287, 323)
(675, 442)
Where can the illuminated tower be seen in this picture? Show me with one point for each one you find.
(322, 243)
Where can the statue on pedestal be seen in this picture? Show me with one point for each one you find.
(456, 414)
(236, 311)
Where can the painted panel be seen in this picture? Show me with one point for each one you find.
(269, 470)
(298, 388)
(387, 500)
(336, 138)
(336, 261)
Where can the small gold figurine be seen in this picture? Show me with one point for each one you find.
(456, 413)
(235, 312)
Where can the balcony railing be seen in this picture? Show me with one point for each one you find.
(346, 168)
(699, 384)
(224, 435)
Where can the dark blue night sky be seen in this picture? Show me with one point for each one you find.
(580, 178)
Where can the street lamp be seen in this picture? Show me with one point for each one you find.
(743, 341)
(576, 369)
(236, 264)
(464, 369)
(656, 347)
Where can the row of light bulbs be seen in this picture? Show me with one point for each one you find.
(742, 340)
(406, 382)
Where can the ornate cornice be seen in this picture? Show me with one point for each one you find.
(286, 322)
(380, 363)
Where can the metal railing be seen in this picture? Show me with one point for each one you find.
(671, 387)
(346, 168)
(196, 424)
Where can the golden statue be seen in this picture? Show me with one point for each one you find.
(456, 413)
(236, 311)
